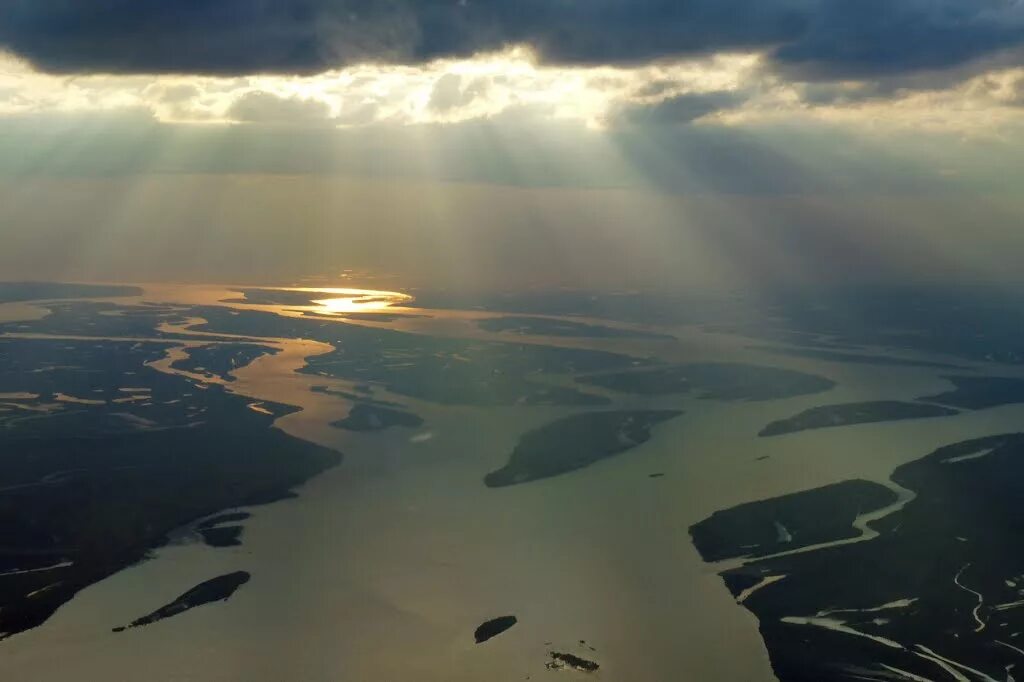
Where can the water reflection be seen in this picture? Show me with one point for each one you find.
(355, 300)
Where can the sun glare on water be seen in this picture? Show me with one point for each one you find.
(338, 301)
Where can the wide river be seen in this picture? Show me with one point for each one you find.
(382, 567)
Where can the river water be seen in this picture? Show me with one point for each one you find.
(382, 567)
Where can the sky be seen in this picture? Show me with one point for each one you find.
(493, 144)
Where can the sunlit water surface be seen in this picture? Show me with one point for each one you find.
(383, 566)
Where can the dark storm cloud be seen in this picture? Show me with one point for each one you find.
(242, 36)
(870, 38)
(813, 38)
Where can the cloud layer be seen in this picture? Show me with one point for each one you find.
(510, 87)
(808, 39)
